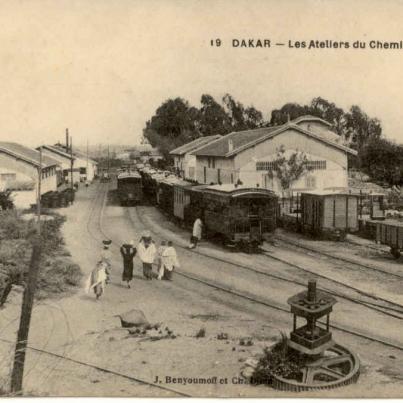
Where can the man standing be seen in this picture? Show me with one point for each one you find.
(197, 233)
(128, 251)
(147, 251)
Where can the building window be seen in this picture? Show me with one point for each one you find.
(271, 165)
(83, 171)
(310, 182)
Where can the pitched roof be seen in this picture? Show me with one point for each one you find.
(221, 146)
(310, 118)
(26, 154)
(194, 145)
(57, 150)
(248, 138)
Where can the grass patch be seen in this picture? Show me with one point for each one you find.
(57, 273)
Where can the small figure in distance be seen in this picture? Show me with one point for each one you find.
(197, 233)
(158, 262)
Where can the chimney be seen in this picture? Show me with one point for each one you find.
(67, 139)
(230, 145)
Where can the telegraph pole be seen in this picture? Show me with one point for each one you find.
(71, 168)
(28, 297)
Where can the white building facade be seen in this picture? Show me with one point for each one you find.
(250, 156)
(19, 172)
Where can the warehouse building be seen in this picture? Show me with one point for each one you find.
(185, 160)
(250, 156)
(19, 172)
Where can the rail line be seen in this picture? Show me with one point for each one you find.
(340, 258)
(395, 306)
(97, 203)
(258, 301)
(251, 298)
(394, 310)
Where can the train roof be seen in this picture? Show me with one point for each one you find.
(334, 192)
(126, 175)
(233, 190)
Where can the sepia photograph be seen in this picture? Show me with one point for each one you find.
(201, 199)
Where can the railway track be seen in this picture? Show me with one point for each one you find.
(278, 307)
(360, 266)
(390, 309)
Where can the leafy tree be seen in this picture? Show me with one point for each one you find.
(383, 161)
(242, 118)
(213, 118)
(361, 129)
(289, 169)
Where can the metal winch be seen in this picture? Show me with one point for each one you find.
(326, 364)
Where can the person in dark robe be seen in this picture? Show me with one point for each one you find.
(128, 252)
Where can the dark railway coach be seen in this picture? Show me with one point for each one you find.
(329, 214)
(130, 190)
(239, 216)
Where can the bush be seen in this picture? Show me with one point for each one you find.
(58, 275)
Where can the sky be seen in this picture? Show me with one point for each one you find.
(102, 67)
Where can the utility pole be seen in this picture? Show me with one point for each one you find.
(86, 169)
(28, 297)
(71, 168)
(108, 163)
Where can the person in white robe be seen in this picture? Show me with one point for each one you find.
(146, 251)
(169, 262)
(197, 233)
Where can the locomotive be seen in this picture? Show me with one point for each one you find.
(235, 215)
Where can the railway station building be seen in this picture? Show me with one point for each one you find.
(185, 160)
(250, 156)
(19, 172)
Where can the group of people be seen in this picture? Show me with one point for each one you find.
(163, 258)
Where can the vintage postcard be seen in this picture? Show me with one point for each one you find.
(201, 198)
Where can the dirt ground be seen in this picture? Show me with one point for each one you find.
(88, 331)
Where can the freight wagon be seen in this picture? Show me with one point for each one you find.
(329, 214)
(390, 233)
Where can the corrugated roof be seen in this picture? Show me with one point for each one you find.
(27, 154)
(193, 145)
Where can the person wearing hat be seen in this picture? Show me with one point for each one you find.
(147, 252)
(128, 252)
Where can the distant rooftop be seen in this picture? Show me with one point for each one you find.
(26, 154)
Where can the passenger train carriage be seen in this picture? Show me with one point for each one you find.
(239, 216)
(130, 189)
(234, 214)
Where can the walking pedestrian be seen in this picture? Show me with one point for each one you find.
(97, 279)
(106, 258)
(169, 262)
(128, 252)
(197, 233)
(158, 262)
(147, 251)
